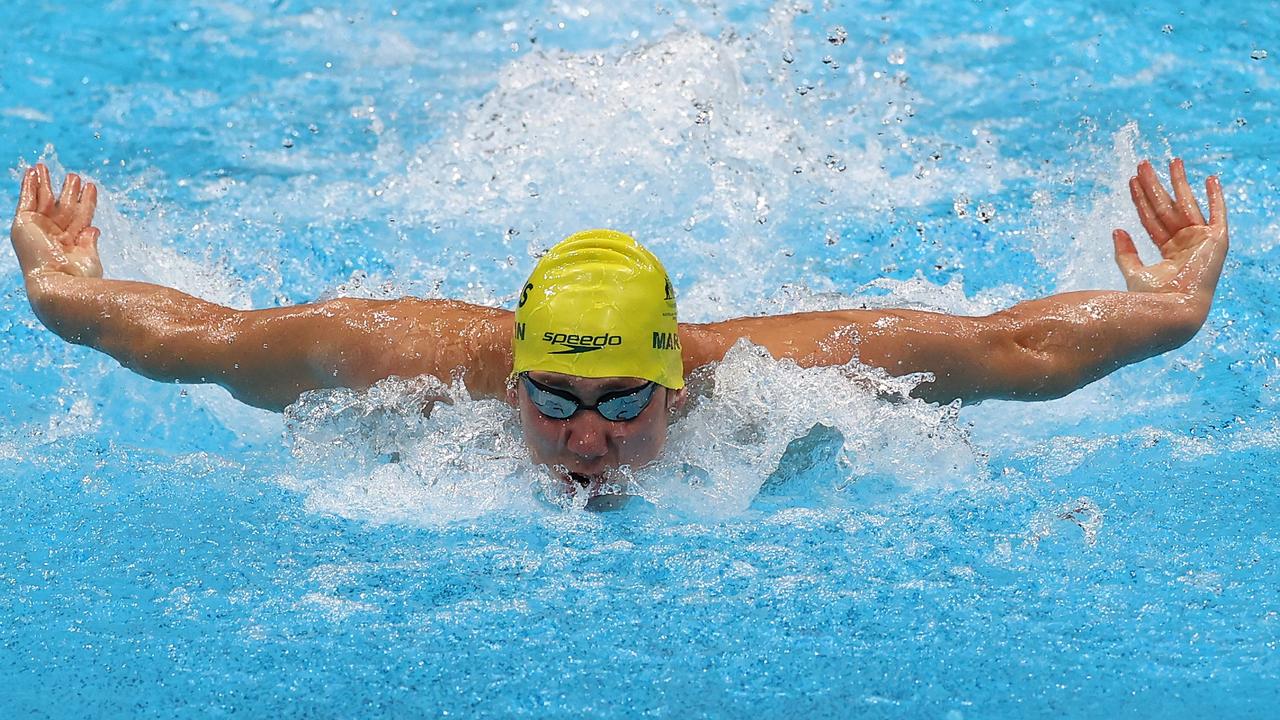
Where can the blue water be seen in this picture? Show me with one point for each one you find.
(170, 553)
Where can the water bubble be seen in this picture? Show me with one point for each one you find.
(704, 112)
(986, 212)
(1258, 54)
(837, 35)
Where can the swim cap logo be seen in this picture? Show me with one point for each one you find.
(524, 296)
(671, 290)
(666, 341)
(580, 343)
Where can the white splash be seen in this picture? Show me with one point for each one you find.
(420, 452)
(730, 442)
(1072, 236)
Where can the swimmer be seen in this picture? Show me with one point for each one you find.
(593, 358)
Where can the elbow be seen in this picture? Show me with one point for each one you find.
(1029, 364)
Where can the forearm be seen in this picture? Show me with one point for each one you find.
(1054, 345)
(155, 331)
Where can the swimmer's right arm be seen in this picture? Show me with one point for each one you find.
(265, 358)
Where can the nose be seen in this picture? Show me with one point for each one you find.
(588, 436)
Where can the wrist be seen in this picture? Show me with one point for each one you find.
(1183, 314)
(53, 296)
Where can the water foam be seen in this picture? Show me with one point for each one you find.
(702, 146)
(378, 456)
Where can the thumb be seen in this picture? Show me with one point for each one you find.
(88, 238)
(1126, 253)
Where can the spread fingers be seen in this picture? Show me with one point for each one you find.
(27, 196)
(44, 190)
(1146, 214)
(1217, 203)
(1170, 215)
(84, 208)
(1182, 192)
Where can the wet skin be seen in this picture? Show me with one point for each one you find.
(583, 449)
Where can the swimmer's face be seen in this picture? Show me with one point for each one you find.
(583, 448)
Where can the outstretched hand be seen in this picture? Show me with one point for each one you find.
(56, 235)
(1191, 250)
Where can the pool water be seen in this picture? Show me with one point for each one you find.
(803, 548)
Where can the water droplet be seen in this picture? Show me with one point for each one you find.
(1241, 122)
(787, 57)
(986, 212)
(898, 57)
(835, 163)
(1166, 28)
(837, 35)
(288, 142)
(704, 112)
(1258, 54)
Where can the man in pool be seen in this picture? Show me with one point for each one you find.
(593, 357)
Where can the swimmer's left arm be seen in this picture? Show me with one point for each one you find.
(1036, 350)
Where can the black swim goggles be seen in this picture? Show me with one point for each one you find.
(618, 406)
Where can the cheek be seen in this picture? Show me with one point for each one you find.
(643, 442)
(541, 436)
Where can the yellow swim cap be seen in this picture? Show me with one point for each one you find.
(599, 304)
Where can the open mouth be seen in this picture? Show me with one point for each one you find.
(605, 490)
(607, 482)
